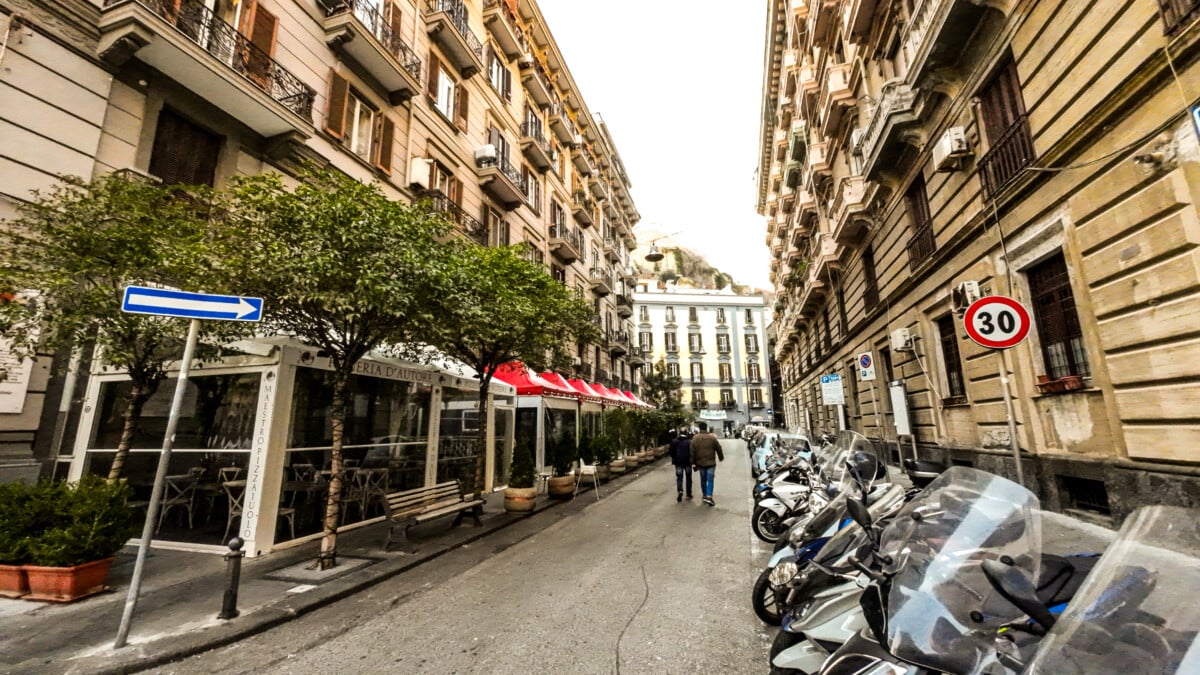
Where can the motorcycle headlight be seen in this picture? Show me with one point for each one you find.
(783, 573)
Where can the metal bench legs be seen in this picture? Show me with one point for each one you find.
(475, 512)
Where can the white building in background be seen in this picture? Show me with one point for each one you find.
(715, 341)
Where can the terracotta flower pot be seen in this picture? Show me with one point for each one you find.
(519, 501)
(617, 466)
(561, 487)
(64, 584)
(13, 581)
(603, 472)
(631, 462)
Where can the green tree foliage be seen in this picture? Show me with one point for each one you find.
(523, 472)
(497, 307)
(343, 268)
(661, 388)
(68, 257)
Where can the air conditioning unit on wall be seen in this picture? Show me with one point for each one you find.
(902, 340)
(950, 149)
(964, 294)
(419, 170)
(485, 154)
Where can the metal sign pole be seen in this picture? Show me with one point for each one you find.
(875, 410)
(1012, 421)
(135, 584)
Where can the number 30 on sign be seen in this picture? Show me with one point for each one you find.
(996, 322)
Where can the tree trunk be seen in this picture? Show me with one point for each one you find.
(133, 413)
(327, 558)
(481, 436)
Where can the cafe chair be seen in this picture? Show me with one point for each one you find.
(179, 493)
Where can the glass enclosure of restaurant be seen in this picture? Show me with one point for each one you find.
(253, 451)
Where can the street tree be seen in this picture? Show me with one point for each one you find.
(660, 387)
(499, 307)
(64, 264)
(341, 267)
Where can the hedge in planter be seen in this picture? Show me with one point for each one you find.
(520, 494)
(562, 454)
(17, 519)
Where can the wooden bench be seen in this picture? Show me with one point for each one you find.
(412, 507)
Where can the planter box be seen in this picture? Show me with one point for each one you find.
(1068, 383)
(519, 501)
(603, 472)
(65, 584)
(617, 466)
(14, 583)
(561, 487)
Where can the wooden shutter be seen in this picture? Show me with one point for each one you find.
(456, 190)
(460, 107)
(392, 17)
(431, 87)
(507, 83)
(387, 139)
(183, 153)
(246, 18)
(256, 60)
(335, 113)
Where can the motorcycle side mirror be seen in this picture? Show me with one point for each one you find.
(860, 513)
(1018, 590)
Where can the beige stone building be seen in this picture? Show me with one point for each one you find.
(916, 154)
(467, 101)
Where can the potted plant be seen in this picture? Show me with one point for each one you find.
(16, 524)
(604, 452)
(520, 494)
(562, 453)
(71, 556)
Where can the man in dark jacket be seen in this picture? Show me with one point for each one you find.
(681, 457)
(706, 451)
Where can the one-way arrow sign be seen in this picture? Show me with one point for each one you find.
(162, 302)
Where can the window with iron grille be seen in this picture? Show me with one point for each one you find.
(1177, 13)
(1010, 147)
(1056, 318)
(951, 360)
(870, 281)
(921, 244)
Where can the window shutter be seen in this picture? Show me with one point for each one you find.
(246, 18)
(339, 97)
(263, 33)
(431, 87)
(456, 190)
(507, 84)
(393, 20)
(386, 137)
(460, 108)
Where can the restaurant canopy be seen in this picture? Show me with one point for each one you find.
(585, 391)
(529, 383)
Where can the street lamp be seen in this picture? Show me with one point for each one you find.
(654, 255)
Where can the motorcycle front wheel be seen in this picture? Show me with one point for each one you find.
(762, 598)
(784, 640)
(767, 525)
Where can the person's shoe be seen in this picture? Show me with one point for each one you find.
(678, 497)
(689, 498)
(709, 501)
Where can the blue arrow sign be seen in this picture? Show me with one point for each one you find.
(163, 302)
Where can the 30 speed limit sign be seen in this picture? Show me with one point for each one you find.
(996, 322)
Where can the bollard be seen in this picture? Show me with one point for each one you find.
(233, 569)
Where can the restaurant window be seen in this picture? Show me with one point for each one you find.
(1056, 318)
(725, 371)
(950, 358)
(723, 343)
(458, 430)
(183, 153)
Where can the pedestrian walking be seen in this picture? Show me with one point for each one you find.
(706, 452)
(681, 457)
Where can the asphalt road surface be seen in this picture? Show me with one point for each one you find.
(632, 583)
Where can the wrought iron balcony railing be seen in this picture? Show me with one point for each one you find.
(200, 25)
(472, 226)
(369, 15)
(1009, 154)
(506, 167)
(533, 130)
(921, 245)
(570, 234)
(457, 11)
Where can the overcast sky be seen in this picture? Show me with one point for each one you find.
(679, 84)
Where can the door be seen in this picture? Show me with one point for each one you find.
(503, 449)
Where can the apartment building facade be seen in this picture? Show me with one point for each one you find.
(715, 342)
(468, 103)
(918, 154)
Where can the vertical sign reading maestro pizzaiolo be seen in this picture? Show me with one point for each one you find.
(179, 304)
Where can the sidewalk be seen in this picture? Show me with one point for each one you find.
(182, 592)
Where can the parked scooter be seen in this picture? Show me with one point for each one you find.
(783, 504)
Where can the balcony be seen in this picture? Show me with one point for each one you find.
(504, 27)
(535, 147)
(583, 208)
(809, 86)
(934, 33)
(602, 282)
(699, 405)
(598, 187)
(837, 96)
(857, 19)
(850, 217)
(898, 107)
(536, 81)
(610, 208)
(502, 181)
(624, 305)
(728, 405)
(209, 57)
(610, 249)
(638, 356)
(561, 124)
(358, 31)
(566, 243)
(618, 342)
(825, 256)
(921, 246)
(446, 23)
(822, 17)
(468, 224)
(818, 163)
(583, 162)
(1009, 154)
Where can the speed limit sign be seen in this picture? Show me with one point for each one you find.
(996, 322)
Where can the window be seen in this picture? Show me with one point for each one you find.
(749, 317)
(646, 341)
(445, 94)
(673, 369)
(498, 74)
(954, 373)
(720, 315)
(692, 316)
(694, 343)
(533, 188)
(756, 399)
(496, 228)
(558, 216)
(669, 341)
(558, 274)
(921, 244)
(723, 343)
(670, 315)
(752, 372)
(183, 153)
(725, 372)
(752, 344)
(727, 398)
(643, 313)
(360, 127)
(870, 281)
(697, 372)
(360, 123)
(1176, 12)
(1056, 319)
(1010, 148)
(697, 397)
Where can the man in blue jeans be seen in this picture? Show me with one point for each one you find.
(681, 457)
(706, 451)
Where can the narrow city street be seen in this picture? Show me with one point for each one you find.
(632, 583)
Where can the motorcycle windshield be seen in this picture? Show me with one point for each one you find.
(1135, 612)
(834, 556)
(942, 612)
